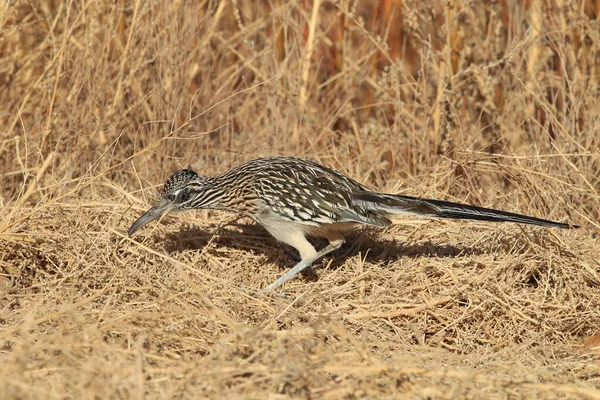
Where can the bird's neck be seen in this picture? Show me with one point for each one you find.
(232, 194)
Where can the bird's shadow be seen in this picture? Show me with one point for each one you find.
(253, 237)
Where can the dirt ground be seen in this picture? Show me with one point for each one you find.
(487, 103)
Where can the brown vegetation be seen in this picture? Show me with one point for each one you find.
(489, 103)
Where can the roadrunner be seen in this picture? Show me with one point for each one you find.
(294, 198)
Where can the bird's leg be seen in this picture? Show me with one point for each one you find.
(335, 242)
(308, 273)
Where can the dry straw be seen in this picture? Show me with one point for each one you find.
(489, 103)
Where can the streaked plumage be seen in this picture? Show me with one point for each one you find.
(294, 198)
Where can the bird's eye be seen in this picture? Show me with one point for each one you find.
(171, 197)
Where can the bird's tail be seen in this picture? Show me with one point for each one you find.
(397, 204)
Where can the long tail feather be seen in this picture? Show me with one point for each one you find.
(397, 204)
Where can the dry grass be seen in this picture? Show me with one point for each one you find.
(491, 103)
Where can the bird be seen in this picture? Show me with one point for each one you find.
(295, 198)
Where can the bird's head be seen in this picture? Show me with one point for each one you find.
(182, 191)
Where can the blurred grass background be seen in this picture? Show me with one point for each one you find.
(380, 89)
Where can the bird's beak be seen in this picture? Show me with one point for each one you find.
(157, 211)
